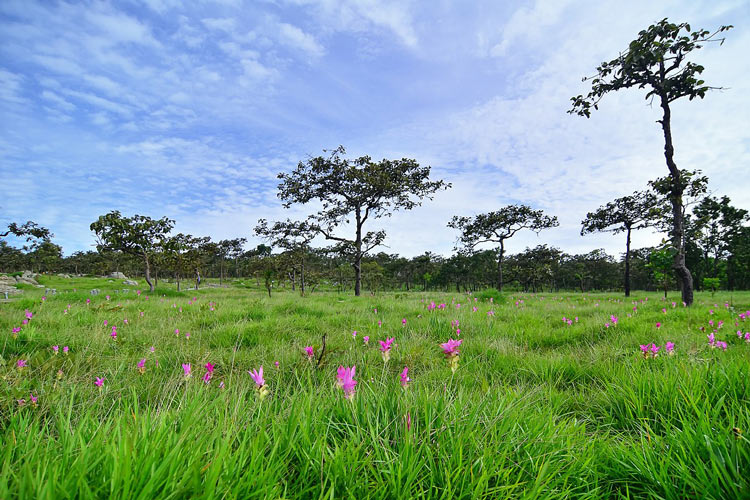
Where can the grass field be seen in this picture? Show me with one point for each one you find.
(537, 408)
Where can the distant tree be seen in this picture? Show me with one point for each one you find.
(30, 231)
(228, 249)
(660, 262)
(47, 257)
(357, 188)
(292, 236)
(656, 60)
(496, 227)
(717, 223)
(139, 236)
(625, 214)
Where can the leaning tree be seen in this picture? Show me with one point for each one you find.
(498, 226)
(625, 214)
(139, 236)
(657, 61)
(360, 189)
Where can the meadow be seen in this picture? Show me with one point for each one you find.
(552, 396)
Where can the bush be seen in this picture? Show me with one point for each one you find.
(494, 293)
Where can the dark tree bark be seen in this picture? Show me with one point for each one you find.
(627, 264)
(678, 228)
(148, 273)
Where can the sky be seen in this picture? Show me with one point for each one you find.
(190, 110)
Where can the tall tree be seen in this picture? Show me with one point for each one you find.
(498, 226)
(657, 61)
(625, 214)
(139, 236)
(358, 188)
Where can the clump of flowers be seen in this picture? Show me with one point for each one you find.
(260, 382)
(404, 376)
(346, 380)
(385, 348)
(450, 349)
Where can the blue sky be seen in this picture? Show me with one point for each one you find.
(190, 109)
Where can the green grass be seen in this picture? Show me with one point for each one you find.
(536, 409)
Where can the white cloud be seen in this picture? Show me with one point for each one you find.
(58, 101)
(299, 40)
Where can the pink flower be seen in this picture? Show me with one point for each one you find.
(29, 314)
(408, 421)
(152, 349)
(105, 322)
(65, 350)
(257, 376)
(354, 334)
(142, 366)
(187, 369)
(644, 350)
(366, 339)
(176, 332)
(221, 384)
(450, 348)
(669, 347)
(385, 348)
(346, 380)
(55, 348)
(33, 399)
(721, 345)
(380, 323)
(310, 353)
(654, 349)
(405, 377)
(21, 363)
(276, 364)
(107, 297)
(403, 322)
(88, 301)
(99, 382)
(658, 325)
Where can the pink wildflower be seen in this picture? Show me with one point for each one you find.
(142, 366)
(55, 349)
(405, 377)
(669, 347)
(385, 348)
(99, 382)
(310, 353)
(66, 349)
(21, 363)
(346, 380)
(187, 369)
(366, 339)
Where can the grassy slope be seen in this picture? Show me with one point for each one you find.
(537, 408)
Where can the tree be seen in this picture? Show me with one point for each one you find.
(292, 236)
(657, 61)
(718, 223)
(360, 188)
(625, 214)
(496, 227)
(660, 262)
(139, 236)
(30, 231)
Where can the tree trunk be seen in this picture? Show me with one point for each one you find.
(500, 256)
(148, 273)
(627, 264)
(302, 276)
(358, 257)
(678, 230)
(197, 278)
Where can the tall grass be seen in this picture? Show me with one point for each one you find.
(536, 409)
